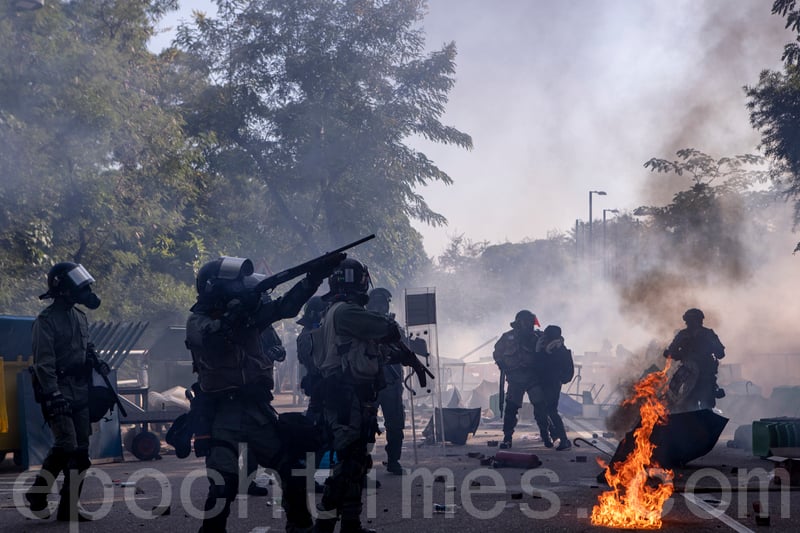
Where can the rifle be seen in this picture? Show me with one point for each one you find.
(402, 354)
(269, 283)
(97, 365)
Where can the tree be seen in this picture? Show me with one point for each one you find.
(774, 105)
(701, 229)
(316, 100)
(95, 166)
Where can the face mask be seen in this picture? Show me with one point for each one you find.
(87, 298)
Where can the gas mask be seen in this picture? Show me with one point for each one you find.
(86, 297)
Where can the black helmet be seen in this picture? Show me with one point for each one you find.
(348, 279)
(312, 313)
(72, 281)
(379, 300)
(693, 315)
(525, 320)
(226, 278)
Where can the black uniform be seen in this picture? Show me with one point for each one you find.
(553, 366)
(235, 376)
(61, 377)
(698, 349)
(352, 333)
(514, 355)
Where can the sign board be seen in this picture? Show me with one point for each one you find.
(420, 309)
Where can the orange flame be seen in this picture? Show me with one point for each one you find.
(639, 487)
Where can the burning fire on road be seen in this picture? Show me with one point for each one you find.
(639, 487)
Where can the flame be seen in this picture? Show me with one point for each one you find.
(639, 487)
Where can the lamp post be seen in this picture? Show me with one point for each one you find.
(605, 258)
(591, 244)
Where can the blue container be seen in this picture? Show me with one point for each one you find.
(16, 337)
(325, 462)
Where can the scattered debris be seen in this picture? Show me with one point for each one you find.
(492, 443)
(516, 496)
(580, 458)
(441, 508)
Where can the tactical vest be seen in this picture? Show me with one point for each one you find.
(222, 364)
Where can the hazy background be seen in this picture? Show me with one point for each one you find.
(565, 97)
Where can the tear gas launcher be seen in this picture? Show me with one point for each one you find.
(322, 263)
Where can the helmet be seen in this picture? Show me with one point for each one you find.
(226, 278)
(524, 320)
(693, 315)
(312, 313)
(72, 281)
(379, 300)
(349, 278)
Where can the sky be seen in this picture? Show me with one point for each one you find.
(564, 97)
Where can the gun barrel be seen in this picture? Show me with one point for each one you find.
(290, 273)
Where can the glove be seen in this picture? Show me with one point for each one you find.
(236, 313)
(202, 445)
(325, 267)
(276, 353)
(56, 405)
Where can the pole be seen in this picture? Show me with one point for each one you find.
(605, 274)
(590, 226)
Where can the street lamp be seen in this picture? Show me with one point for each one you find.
(591, 246)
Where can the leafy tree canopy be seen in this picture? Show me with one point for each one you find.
(315, 99)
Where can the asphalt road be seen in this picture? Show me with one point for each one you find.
(714, 493)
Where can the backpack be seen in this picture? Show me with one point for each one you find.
(565, 365)
(358, 358)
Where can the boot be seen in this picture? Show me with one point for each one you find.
(548, 442)
(354, 526)
(68, 510)
(325, 525)
(395, 468)
(37, 498)
(564, 444)
(506, 444)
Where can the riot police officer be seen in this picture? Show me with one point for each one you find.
(698, 348)
(390, 398)
(514, 355)
(352, 371)
(223, 333)
(61, 372)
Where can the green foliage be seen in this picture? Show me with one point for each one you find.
(774, 106)
(275, 132)
(314, 100)
(703, 226)
(95, 166)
